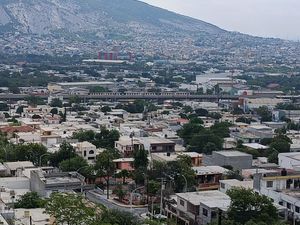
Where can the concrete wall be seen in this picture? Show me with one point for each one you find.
(237, 162)
(36, 184)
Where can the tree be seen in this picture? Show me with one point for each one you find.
(74, 99)
(140, 159)
(215, 115)
(237, 111)
(56, 102)
(73, 164)
(30, 200)
(105, 168)
(54, 111)
(123, 174)
(209, 148)
(36, 117)
(281, 143)
(119, 192)
(221, 129)
(243, 119)
(104, 139)
(264, 113)
(20, 110)
(116, 217)
(35, 100)
(196, 120)
(71, 209)
(153, 187)
(3, 107)
(105, 109)
(14, 89)
(65, 152)
(182, 169)
(201, 112)
(85, 136)
(247, 205)
(27, 152)
(188, 109)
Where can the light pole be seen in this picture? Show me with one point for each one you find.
(40, 160)
(185, 180)
(132, 194)
(77, 171)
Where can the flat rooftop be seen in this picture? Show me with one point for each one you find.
(237, 183)
(206, 170)
(212, 199)
(232, 153)
(62, 180)
(255, 146)
(173, 156)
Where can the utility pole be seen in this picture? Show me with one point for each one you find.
(161, 194)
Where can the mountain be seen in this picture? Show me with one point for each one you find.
(87, 26)
(46, 16)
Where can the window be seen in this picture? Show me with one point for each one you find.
(84, 153)
(181, 202)
(222, 185)
(297, 209)
(213, 214)
(269, 184)
(204, 212)
(91, 152)
(288, 205)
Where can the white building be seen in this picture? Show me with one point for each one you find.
(283, 187)
(226, 185)
(289, 160)
(86, 150)
(197, 207)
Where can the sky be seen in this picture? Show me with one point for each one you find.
(266, 18)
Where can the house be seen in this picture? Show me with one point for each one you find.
(208, 177)
(14, 167)
(126, 145)
(171, 157)
(246, 137)
(86, 150)
(283, 187)
(11, 130)
(32, 216)
(49, 136)
(124, 164)
(199, 208)
(45, 184)
(238, 160)
(226, 185)
(156, 144)
(289, 160)
(261, 131)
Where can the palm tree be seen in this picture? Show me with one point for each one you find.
(123, 174)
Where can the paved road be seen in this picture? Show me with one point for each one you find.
(101, 199)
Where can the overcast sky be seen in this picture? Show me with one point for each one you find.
(268, 18)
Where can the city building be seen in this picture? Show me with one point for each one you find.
(199, 208)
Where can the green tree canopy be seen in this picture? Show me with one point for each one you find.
(30, 200)
(65, 152)
(71, 209)
(56, 102)
(247, 205)
(73, 164)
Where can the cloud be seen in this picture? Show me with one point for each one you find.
(271, 18)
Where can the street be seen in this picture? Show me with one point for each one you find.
(101, 199)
